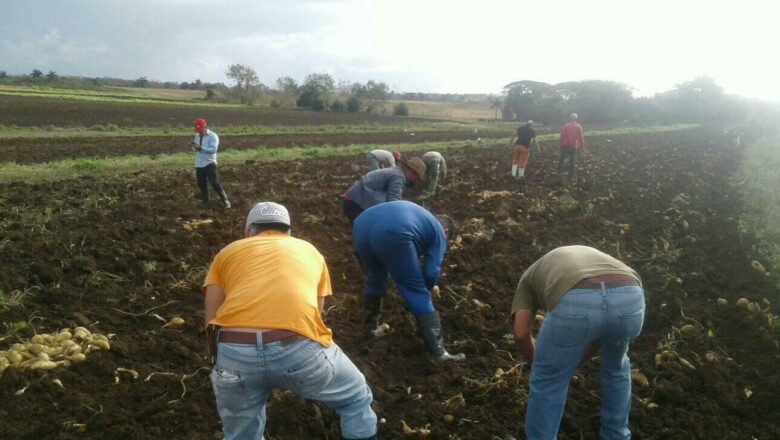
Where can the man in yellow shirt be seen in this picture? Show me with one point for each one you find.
(263, 298)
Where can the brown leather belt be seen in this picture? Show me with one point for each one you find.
(250, 338)
(609, 282)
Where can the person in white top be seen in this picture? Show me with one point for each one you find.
(381, 159)
(205, 147)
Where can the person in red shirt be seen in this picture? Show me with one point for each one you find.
(570, 141)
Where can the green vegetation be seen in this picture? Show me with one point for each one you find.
(759, 182)
(111, 130)
(106, 94)
(67, 169)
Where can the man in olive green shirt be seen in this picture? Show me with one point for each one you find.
(593, 301)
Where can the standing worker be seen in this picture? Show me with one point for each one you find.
(570, 141)
(265, 295)
(392, 237)
(378, 159)
(522, 142)
(205, 147)
(593, 301)
(380, 186)
(435, 166)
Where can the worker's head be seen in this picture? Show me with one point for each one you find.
(397, 155)
(529, 123)
(200, 125)
(573, 117)
(414, 169)
(267, 216)
(447, 224)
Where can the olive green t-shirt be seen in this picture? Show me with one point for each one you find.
(550, 277)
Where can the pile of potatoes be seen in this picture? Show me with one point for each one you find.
(48, 351)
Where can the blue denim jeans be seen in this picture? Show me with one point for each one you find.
(244, 376)
(607, 317)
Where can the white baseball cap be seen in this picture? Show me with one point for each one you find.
(268, 212)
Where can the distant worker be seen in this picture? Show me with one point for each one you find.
(380, 186)
(264, 297)
(435, 167)
(393, 237)
(570, 141)
(593, 301)
(522, 141)
(378, 159)
(205, 147)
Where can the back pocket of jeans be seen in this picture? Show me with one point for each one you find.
(631, 324)
(312, 376)
(568, 330)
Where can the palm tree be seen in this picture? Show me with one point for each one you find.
(496, 103)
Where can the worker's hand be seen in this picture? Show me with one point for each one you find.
(435, 292)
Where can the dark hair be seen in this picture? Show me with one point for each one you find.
(256, 228)
(448, 223)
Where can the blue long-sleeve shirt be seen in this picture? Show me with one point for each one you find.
(402, 220)
(208, 149)
(379, 186)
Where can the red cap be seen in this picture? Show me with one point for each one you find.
(200, 124)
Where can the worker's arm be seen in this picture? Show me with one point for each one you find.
(321, 303)
(213, 300)
(521, 330)
(211, 144)
(395, 188)
(536, 145)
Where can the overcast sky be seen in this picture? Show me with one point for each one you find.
(413, 45)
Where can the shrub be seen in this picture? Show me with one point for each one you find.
(353, 104)
(400, 109)
(337, 106)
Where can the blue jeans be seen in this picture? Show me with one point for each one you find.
(244, 376)
(396, 254)
(607, 317)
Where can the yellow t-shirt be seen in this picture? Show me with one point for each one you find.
(272, 281)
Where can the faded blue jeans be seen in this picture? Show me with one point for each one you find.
(607, 317)
(244, 376)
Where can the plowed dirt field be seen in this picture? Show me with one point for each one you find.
(110, 253)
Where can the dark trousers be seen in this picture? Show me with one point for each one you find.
(571, 153)
(351, 210)
(208, 175)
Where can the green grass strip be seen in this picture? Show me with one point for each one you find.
(76, 168)
(758, 180)
(111, 130)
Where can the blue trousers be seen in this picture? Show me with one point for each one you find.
(397, 255)
(608, 317)
(244, 376)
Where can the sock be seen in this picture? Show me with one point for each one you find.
(521, 172)
(514, 170)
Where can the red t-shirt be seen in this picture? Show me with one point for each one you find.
(571, 136)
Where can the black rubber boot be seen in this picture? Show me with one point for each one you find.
(429, 326)
(224, 199)
(373, 307)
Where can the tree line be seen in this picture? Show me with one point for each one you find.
(597, 101)
(698, 100)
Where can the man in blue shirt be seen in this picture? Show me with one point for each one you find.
(380, 186)
(391, 237)
(205, 147)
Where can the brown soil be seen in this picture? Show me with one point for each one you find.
(24, 111)
(26, 150)
(79, 248)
